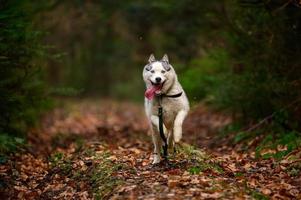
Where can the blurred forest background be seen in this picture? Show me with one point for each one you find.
(242, 56)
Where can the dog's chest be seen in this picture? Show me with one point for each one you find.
(171, 107)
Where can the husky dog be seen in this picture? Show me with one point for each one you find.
(163, 87)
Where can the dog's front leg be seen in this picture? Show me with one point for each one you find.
(157, 145)
(178, 125)
(171, 143)
(156, 138)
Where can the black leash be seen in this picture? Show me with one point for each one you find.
(160, 114)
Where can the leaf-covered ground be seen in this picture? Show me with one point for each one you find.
(102, 150)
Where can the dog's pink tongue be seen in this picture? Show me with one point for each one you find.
(150, 92)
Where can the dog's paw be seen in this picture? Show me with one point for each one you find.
(156, 159)
(177, 138)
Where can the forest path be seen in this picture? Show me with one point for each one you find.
(102, 150)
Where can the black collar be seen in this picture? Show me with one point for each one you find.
(172, 95)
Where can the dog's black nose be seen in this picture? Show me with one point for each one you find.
(158, 79)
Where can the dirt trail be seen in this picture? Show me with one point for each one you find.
(102, 150)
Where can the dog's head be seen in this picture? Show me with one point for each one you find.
(158, 75)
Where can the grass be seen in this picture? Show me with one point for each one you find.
(270, 137)
(191, 153)
(200, 161)
(257, 195)
(100, 173)
(289, 141)
(59, 161)
(102, 176)
(294, 169)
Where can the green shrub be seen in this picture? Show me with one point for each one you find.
(259, 74)
(22, 91)
(9, 143)
(264, 48)
(205, 75)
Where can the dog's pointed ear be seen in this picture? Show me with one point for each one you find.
(165, 58)
(151, 58)
(165, 62)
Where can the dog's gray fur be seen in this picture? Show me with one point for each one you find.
(174, 109)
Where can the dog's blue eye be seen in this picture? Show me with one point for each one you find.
(153, 71)
(163, 71)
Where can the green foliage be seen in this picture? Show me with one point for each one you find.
(10, 144)
(194, 170)
(265, 57)
(199, 167)
(205, 75)
(240, 136)
(56, 159)
(255, 73)
(294, 169)
(22, 91)
(258, 75)
(289, 140)
(257, 195)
